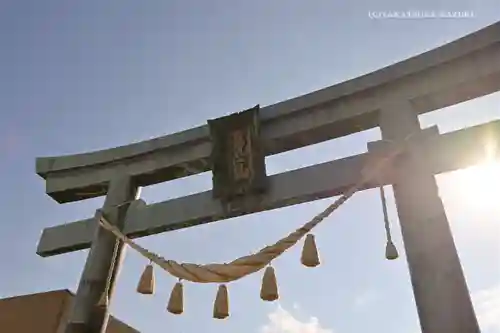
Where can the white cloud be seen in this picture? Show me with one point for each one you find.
(487, 306)
(282, 321)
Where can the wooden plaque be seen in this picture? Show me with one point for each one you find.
(238, 159)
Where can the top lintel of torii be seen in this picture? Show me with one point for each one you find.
(458, 71)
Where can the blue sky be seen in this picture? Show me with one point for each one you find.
(82, 76)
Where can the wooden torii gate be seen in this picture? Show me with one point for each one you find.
(391, 98)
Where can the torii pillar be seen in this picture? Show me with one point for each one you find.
(103, 262)
(441, 294)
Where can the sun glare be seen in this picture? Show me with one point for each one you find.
(480, 185)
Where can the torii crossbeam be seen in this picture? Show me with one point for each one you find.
(391, 98)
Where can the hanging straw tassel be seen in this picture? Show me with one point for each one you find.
(176, 301)
(310, 257)
(391, 252)
(269, 289)
(221, 304)
(146, 284)
(104, 300)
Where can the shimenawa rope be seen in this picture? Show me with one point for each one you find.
(243, 266)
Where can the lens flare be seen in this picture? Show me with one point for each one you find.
(480, 185)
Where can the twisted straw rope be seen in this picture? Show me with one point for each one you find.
(241, 267)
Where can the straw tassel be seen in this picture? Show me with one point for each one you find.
(391, 252)
(104, 300)
(310, 257)
(176, 301)
(221, 304)
(146, 284)
(269, 289)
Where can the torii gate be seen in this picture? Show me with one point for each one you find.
(391, 98)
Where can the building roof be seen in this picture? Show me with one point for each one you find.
(46, 311)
